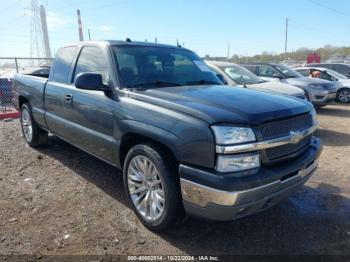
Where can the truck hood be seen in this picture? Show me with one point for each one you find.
(278, 87)
(224, 104)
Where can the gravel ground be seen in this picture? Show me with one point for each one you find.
(59, 200)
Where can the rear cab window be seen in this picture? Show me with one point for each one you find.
(62, 65)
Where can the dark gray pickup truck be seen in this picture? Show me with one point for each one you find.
(184, 141)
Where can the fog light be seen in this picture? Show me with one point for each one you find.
(232, 163)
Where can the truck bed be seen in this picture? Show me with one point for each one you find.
(32, 88)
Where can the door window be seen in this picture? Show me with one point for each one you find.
(92, 60)
(304, 72)
(267, 71)
(343, 69)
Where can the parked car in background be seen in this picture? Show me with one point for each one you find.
(341, 68)
(320, 92)
(183, 139)
(343, 94)
(236, 75)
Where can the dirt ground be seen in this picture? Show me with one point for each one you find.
(59, 200)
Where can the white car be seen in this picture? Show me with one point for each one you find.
(343, 93)
(236, 75)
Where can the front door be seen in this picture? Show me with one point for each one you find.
(89, 114)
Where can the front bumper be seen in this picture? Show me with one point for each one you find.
(323, 99)
(227, 197)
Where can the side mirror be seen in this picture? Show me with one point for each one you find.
(90, 81)
(222, 78)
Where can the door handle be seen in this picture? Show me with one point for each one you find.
(68, 98)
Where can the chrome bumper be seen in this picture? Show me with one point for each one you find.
(201, 196)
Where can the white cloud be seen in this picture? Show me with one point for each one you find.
(102, 28)
(105, 28)
(56, 21)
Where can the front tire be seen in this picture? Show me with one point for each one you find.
(343, 95)
(151, 184)
(32, 133)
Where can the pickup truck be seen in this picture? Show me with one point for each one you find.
(185, 142)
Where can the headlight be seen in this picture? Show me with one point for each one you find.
(232, 163)
(313, 115)
(317, 87)
(225, 135)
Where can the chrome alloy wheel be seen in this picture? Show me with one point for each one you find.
(145, 188)
(344, 96)
(27, 125)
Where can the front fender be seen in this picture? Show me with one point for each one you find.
(190, 144)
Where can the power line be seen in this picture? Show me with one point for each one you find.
(329, 8)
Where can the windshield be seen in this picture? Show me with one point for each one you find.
(336, 74)
(152, 67)
(287, 72)
(240, 75)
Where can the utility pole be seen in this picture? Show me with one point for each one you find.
(81, 37)
(228, 50)
(89, 33)
(286, 41)
(45, 32)
(35, 31)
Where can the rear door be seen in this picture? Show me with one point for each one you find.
(89, 114)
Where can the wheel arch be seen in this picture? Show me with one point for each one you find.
(145, 134)
(22, 100)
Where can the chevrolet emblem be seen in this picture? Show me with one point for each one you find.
(295, 137)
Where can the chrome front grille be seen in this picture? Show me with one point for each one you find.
(283, 128)
(279, 152)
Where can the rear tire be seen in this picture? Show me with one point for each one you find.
(152, 186)
(32, 133)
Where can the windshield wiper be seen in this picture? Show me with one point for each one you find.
(202, 82)
(157, 84)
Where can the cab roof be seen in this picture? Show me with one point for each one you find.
(128, 43)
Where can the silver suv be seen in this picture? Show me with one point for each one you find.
(236, 75)
(319, 92)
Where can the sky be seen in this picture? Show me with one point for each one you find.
(248, 27)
